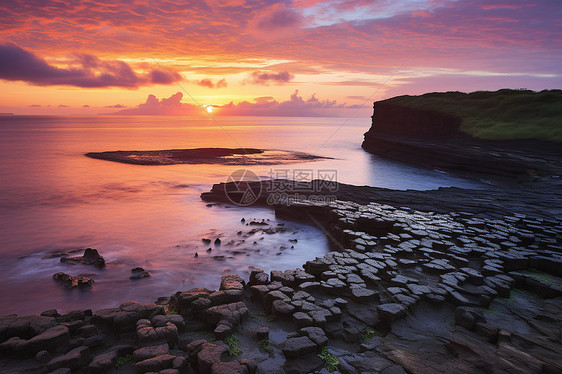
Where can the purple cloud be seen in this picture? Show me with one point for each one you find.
(17, 64)
(210, 84)
(264, 78)
(296, 106)
(166, 106)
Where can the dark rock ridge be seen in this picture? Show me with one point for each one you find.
(432, 139)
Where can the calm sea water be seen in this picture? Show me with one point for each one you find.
(52, 197)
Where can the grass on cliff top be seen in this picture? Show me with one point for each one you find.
(500, 115)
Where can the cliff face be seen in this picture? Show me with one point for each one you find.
(432, 139)
(395, 120)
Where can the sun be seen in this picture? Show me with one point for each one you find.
(209, 109)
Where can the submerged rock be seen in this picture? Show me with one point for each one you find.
(70, 281)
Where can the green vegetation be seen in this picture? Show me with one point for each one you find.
(123, 360)
(171, 312)
(368, 334)
(331, 362)
(490, 311)
(539, 275)
(500, 115)
(264, 344)
(232, 342)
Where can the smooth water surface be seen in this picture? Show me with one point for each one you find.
(52, 197)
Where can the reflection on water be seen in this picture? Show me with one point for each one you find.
(53, 197)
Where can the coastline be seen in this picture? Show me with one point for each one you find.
(446, 280)
(404, 260)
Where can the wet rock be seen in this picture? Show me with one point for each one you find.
(232, 367)
(162, 320)
(391, 311)
(126, 316)
(231, 282)
(208, 355)
(150, 335)
(24, 327)
(286, 278)
(232, 313)
(297, 347)
(302, 319)
(181, 301)
(316, 334)
(48, 313)
(43, 356)
(262, 333)
(155, 364)
(139, 273)
(362, 295)
(70, 281)
(90, 257)
(223, 330)
(144, 353)
(282, 308)
(52, 340)
(74, 360)
(258, 276)
(468, 317)
(105, 361)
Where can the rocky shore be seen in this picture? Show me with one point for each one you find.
(445, 281)
(418, 282)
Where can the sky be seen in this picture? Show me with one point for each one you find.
(264, 57)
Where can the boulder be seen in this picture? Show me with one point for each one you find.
(70, 281)
(24, 327)
(298, 347)
(150, 335)
(233, 367)
(258, 276)
(391, 311)
(126, 316)
(90, 257)
(208, 355)
(74, 359)
(155, 364)
(316, 334)
(232, 313)
(145, 353)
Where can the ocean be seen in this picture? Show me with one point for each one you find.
(54, 198)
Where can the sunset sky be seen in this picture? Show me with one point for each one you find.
(263, 57)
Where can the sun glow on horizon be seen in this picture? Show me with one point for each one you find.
(209, 109)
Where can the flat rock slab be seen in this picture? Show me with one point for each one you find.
(392, 311)
(228, 156)
(297, 347)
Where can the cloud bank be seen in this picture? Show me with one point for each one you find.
(84, 70)
(295, 106)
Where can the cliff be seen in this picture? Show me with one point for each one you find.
(423, 130)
